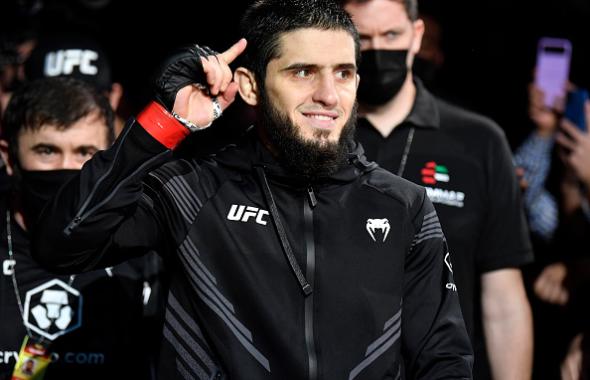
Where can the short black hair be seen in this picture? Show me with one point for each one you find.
(59, 102)
(411, 6)
(266, 20)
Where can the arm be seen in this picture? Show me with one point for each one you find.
(507, 324)
(111, 211)
(435, 343)
(503, 246)
(571, 367)
(534, 158)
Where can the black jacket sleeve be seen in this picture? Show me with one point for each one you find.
(435, 340)
(107, 214)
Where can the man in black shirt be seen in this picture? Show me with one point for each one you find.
(94, 323)
(464, 163)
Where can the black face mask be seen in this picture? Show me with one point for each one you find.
(382, 73)
(37, 187)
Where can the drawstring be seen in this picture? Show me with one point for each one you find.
(274, 213)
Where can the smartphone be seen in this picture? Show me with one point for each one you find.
(574, 108)
(553, 66)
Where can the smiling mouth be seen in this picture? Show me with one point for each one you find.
(321, 120)
(321, 117)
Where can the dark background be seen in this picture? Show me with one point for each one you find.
(489, 45)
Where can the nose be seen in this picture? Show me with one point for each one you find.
(70, 162)
(325, 91)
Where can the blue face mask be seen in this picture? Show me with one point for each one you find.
(382, 73)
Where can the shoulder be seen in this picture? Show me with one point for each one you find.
(196, 177)
(193, 168)
(464, 123)
(405, 193)
(172, 169)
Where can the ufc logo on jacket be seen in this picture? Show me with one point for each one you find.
(244, 213)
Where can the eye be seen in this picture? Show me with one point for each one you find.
(391, 35)
(365, 42)
(44, 150)
(345, 74)
(302, 73)
(87, 152)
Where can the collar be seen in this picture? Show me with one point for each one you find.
(252, 153)
(424, 113)
(356, 163)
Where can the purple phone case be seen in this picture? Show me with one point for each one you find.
(553, 64)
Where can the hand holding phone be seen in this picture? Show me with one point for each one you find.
(575, 110)
(552, 70)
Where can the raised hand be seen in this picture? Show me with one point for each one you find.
(196, 84)
(549, 285)
(576, 144)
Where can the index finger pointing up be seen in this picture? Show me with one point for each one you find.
(234, 51)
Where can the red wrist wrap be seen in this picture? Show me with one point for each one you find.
(162, 126)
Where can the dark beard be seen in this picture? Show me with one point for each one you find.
(309, 160)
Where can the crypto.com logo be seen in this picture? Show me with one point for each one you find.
(53, 309)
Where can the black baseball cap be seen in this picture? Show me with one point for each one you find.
(70, 55)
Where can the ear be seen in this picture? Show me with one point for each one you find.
(6, 157)
(418, 26)
(247, 85)
(115, 95)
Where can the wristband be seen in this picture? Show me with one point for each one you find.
(162, 125)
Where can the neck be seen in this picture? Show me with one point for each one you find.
(17, 213)
(265, 140)
(385, 118)
(19, 219)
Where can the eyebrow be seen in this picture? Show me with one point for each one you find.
(90, 146)
(300, 66)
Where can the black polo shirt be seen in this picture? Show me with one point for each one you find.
(464, 162)
(97, 323)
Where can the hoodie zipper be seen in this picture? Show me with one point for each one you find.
(282, 234)
(309, 204)
(306, 285)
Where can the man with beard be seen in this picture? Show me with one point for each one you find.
(293, 257)
(464, 162)
(90, 324)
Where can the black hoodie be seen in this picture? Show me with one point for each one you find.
(271, 278)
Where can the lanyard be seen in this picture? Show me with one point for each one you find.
(13, 275)
(402, 164)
